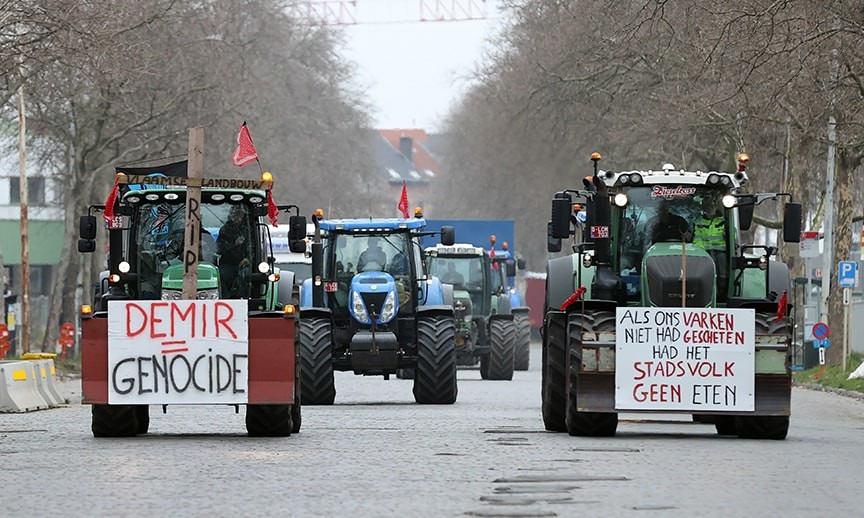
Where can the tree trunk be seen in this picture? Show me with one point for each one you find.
(847, 162)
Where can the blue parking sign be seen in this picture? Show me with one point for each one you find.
(847, 274)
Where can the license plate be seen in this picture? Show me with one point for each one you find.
(331, 287)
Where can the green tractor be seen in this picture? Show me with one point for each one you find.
(144, 280)
(663, 307)
(491, 322)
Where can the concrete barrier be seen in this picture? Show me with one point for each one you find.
(19, 391)
(45, 374)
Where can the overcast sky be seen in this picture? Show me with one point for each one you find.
(412, 72)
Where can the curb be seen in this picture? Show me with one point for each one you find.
(822, 388)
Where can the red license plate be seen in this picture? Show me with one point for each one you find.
(331, 287)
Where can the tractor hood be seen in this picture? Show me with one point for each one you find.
(208, 281)
(372, 295)
(662, 269)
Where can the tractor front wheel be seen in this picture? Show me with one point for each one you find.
(586, 424)
(554, 371)
(142, 414)
(269, 420)
(498, 364)
(774, 427)
(435, 375)
(317, 386)
(522, 352)
(114, 420)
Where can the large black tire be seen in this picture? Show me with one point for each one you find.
(765, 427)
(114, 420)
(522, 352)
(554, 384)
(269, 420)
(317, 386)
(142, 414)
(498, 364)
(586, 424)
(725, 425)
(435, 375)
(774, 427)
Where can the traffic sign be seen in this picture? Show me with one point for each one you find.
(824, 343)
(821, 330)
(809, 246)
(847, 274)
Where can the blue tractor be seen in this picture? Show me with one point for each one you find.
(504, 268)
(370, 308)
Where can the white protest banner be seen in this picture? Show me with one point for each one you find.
(685, 359)
(178, 352)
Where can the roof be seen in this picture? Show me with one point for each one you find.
(372, 224)
(420, 168)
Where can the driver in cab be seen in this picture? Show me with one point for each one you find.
(373, 257)
(232, 248)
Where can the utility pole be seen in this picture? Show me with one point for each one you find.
(25, 242)
(192, 239)
(828, 240)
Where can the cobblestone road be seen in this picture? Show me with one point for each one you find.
(375, 453)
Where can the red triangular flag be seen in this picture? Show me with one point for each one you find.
(110, 201)
(403, 200)
(272, 209)
(245, 152)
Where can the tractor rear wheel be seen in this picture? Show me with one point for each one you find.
(498, 364)
(114, 420)
(317, 386)
(269, 420)
(553, 388)
(725, 425)
(589, 424)
(522, 353)
(435, 375)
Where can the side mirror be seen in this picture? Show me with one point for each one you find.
(448, 235)
(792, 222)
(87, 228)
(553, 244)
(746, 206)
(86, 246)
(560, 227)
(297, 234)
(511, 268)
(520, 263)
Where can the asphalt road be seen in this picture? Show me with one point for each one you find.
(376, 453)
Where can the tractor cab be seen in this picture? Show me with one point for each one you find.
(146, 246)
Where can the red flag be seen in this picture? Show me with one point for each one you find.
(110, 201)
(245, 151)
(403, 200)
(272, 209)
(782, 305)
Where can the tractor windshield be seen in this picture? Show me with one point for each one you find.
(670, 213)
(226, 239)
(358, 253)
(464, 273)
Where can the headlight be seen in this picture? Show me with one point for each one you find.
(263, 267)
(728, 201)
(124, 267)
(208, 294)
(763, 262)
(587, 261)
(171, 294)
(359, 308)
(621, 199)
(388, 310)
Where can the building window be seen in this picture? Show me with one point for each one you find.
(35, 190)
